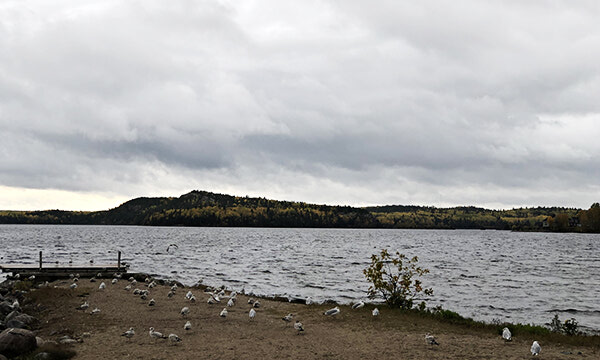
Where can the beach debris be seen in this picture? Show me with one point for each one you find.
(535, 348)
(102, 286)
(252, 313)
(288, 317)
(73, 286)
(129, 333)
(155, 334)
(187, 326)
(358, 305)
(95, 311)
(375, 312)
(256, 304)
(230, 303)
(506, 335)
(430, 339)
(151, 302)
(223, 313)
(83, 306)
(184, 311)
(174, 339)
(332, 312)
(298, 326)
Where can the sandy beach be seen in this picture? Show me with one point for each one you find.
(353, 334)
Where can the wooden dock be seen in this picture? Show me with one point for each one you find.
(54, 271)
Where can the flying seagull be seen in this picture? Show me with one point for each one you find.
(298, 326)
(535, 348)
(332, 312)
(506, 335)
(358, 305)
(430, 340)
(129, 333)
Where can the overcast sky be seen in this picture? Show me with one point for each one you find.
(444, 103)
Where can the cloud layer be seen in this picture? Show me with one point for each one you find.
(492, 104)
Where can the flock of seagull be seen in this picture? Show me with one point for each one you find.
(215, 297)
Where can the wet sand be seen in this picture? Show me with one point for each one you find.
(353, 334)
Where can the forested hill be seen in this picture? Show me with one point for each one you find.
(200, 208)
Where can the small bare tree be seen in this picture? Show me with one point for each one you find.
(392, 279)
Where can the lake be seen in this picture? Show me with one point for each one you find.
(486, 275)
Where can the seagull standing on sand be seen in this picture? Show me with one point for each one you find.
(188, 295)
(151, 302)
(308, 301)
(73, 286)
(506, 335)
(129, 333)
(298, 326)
(95, 311)
(332, 312)
(358, 305)
(223, 313)
(252, 314)
(375, 312)
(256, 304)
(184, 311)
(174, 339)
(156, 334)
(114, 281)
(230, 303)
(83, 306)
(187, 326)
(102, 286)
(430, 340)
(535, 348)
(288, 317)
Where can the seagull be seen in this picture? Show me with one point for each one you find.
(75, 279)
(193, 299)
(136, 292)
(133, 282)
(187, 326)
(95, 311)
(256, 304)
(99, 275)
(375, 312)
(83, 306)
(506, 335)
(223, 313)
(16, 305)
(211, 301)
(252, 313)
(32, 277)
(147, 279)
(298, 326)
(358, 305)
(102, 286)
(288, 317)
(170, 294)
(174, 287)
(185, 311)
(156, 334)
(92, 279)
(73, 286)
(151, 302)
(128, 287)
(189, 295)
(308, 301)
(129, 333)
(143, 296)
(251, 301)
(430, 340)
(535, 348)
(230, 303)
(71, 276)
(174, 339)
(332, 312)
(114, 281)
(131, 278)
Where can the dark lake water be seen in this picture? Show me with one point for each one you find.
(516, 277)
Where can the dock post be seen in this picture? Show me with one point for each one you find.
(40, 260)
(119, 261)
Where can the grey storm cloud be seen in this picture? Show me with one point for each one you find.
(484, 103)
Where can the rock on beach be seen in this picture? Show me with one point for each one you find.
(14, 342)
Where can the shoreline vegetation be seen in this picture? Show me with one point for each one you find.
(201, 208)
(353, 334)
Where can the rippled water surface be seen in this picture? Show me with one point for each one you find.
(516, 277)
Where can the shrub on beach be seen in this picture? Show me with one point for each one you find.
(394, 278)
